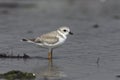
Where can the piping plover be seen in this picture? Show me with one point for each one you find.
(52, 39)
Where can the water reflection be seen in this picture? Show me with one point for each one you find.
(50, 72)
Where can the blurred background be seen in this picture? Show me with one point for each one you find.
(92, 53)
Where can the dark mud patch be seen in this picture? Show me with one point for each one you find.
(24, 56)
(4, 55)
(16, 5)
(6, 7)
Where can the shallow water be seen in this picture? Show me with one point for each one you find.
(92, 53)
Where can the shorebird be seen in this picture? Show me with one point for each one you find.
(51, 40)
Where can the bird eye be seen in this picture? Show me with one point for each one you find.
(64, 30)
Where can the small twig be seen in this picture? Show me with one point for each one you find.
(98, 61)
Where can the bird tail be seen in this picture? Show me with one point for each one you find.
(28, 40)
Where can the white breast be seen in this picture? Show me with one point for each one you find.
(62, 39)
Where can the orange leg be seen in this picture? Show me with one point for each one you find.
(50, 54)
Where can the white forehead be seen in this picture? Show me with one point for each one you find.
(64, 28)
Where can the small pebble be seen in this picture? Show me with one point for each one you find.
(95, 26)
(118, 76)
(29, 32)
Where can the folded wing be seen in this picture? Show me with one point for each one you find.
(50, 38)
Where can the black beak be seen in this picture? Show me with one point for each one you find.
(70, 33)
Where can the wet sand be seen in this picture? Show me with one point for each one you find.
(92, 53)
